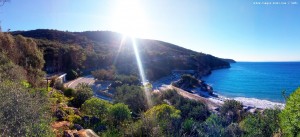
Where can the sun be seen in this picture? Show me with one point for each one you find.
(128, 18)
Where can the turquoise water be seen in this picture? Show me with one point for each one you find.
(261, 80)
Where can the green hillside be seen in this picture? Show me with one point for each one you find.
(90, 50)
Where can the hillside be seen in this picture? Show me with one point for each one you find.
(100, 49)
(29, 107)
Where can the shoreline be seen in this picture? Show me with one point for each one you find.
(248, 103)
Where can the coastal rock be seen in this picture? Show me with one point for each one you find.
(209, 89)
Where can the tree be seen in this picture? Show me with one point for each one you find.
(83, 93)
(290, 116)
(133, 96)
(96, 107)
(253, 126)
(233, 130)
(103, 74)
(23, 52)
(271, 117)
(232, 110)
(119, 113)
(10, 71)
(165, 116)
(130, 80)
(189, 128)
(213, 126)
(261, 124)
(23, 113)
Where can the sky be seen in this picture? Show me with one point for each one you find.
(243, 30)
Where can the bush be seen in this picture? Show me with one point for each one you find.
(130, 80)
(23, 113)
(189, 108)
(266, 124)
(119, 113)
(213, 126)
(103, 74)
(83, 93)
(133, 96)
(96, 107)
(69, 92)
(290, 116)
(58, 97)
(165, 116)
(232, 110)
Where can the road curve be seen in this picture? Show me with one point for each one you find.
(85, 79)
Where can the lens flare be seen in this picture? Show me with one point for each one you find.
(138, 60)
(147, 88)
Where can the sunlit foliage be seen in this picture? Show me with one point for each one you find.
(290, 116)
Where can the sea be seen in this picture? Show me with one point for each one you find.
(256, 80)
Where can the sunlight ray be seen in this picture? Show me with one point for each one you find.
(145, 83)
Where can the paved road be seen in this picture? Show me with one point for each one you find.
(86, 79)
(96, 86)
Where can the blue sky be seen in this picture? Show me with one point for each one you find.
(236, 29)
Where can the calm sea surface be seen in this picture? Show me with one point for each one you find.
(261, 80)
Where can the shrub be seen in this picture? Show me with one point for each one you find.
(166, 117)
(83, 93)
(119, 113)
(103, 74)
(23, 113)
(290, 116)
(266, 124)
(232, 110)
(96, 107)
(69, 92)
(133, 96)
(213, 126)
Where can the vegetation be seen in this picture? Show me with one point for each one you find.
(83, 93)
(23, 113)
(119, 113)
(266, 124)
(290, 116)
(96, 107)
(98, 50)
(27, 108)
(23, 55)
(24, 107)
(232, 110)
(103, 74)
(133, 96)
